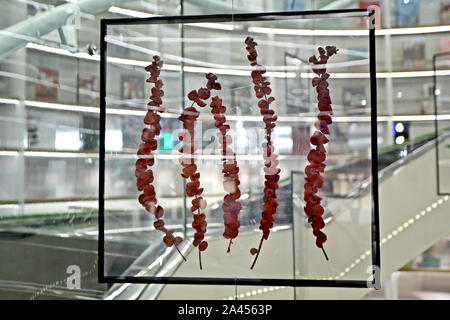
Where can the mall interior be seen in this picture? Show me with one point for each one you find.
(73, 98)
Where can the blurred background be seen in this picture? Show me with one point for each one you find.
(49, 140)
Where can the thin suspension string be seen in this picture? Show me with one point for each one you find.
(232, 13)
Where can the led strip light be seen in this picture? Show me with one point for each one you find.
(363, 256)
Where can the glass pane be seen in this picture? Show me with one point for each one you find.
(284, 48)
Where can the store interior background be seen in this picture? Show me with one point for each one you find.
(49, 127)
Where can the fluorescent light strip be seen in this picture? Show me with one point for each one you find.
(381, 75)
(8, 153)
(416, 30)
(244, 73)
(218, 26)
(78, 108)
(9, 101)
(301, 32)
(349, 32)
(64, 52)
(307, 32)
(52, 154)
(131, 13)
(249, 118)
(131, 62)
(413, 118)
(140, 14)
(59, 106)
(203, 67)
(131, 46)
(115, 156)
(128, 112)
(275, 74)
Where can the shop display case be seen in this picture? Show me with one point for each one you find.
(191, 47)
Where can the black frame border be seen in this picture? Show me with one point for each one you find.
(436, 127)
(239, 281)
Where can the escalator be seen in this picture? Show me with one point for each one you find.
(409, 225)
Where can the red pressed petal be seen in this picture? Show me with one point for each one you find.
(149, 190)
(199, 217)
(189, 170)
(141, 165)
(322, 84)
(195, 177)
(202, 226)
(193, 95)
(159, 212)
(321, 148)
(248, 40)
(259, 95)
(156, 100)
(315, 179)
(324, 127)
(267, 111)
(317, 223)
(159, 84)
(321, 239)
(267, 90)
(157, 92)
(309, 170)
(151, 118)
(325, 107)
(211, 76)
(198, 235)
(325, 118)
(313, 59)
(315, 81)
(147, 135)
(216, 102)
(331, 50)
(204, 93)
(158, 224)
(203, 245)
(200, 103)
(230, 233)
(316, 156)
(318, 138)
(190, 191)
(310, 188)
(143, 198)
(196, 202)
(317, 210)
(198, 191)
(263, 104)
(169, 241)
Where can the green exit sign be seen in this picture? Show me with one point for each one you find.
(166, 142)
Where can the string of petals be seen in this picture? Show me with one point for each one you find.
(317, 156)
(271, 170)
(144, 175)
